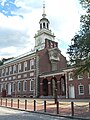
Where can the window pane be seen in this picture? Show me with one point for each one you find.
(31, 85)
(81, 89)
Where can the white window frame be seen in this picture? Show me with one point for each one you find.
(10, 69)
(79, 76)
(19, 67)
(1, 86)
(69, 76)
(79, 89)
(6, 71)
(32, 80)
(25, 66)
(13, 87)
(14, 68)
(19, 86)
(32, 63)
(24, 84)
(2, 72)
(51, 44)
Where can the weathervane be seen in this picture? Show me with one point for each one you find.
(44, 9)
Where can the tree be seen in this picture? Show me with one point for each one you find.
(79, 50)
(5, 59)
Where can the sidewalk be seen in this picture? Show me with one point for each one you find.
(81, 107)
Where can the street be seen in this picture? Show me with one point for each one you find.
(11, 114)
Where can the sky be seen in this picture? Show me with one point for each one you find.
(19, 21)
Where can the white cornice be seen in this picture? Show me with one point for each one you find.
(69, 69)
(52, 74)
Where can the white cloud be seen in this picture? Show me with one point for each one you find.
(63, 15)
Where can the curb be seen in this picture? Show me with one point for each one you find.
(45, 113)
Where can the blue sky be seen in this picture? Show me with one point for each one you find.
(19, 21)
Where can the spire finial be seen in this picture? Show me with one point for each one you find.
(44, 9)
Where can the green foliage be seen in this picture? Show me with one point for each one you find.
(5, 59)
(79, 50)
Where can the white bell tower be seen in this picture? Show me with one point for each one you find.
(44, 32)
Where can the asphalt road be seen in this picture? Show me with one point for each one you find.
(11, 114)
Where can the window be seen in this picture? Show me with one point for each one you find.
(19, 67)
(31, 74)
(89, 89)
(14, 69)
(47, 26)
(19, 85)
(40, 26)
(1, 86)
(43, 25)
(81, 89)
(55, 44)
(25, 66)
(2, 72)
(47, 44)
(32, 62)
(24, 85)
(80, 76)
(31, 85)
(5, 86)
(13, 87)
(71, 76)
(63, 87)
(6, 71)
(10, 70)
(51, 45)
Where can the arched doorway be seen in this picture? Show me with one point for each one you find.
(45, 87)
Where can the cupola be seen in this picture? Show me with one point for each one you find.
(44, 22)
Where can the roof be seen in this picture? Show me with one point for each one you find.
(44, 19)
(21, 56)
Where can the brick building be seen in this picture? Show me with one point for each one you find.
(42, 72)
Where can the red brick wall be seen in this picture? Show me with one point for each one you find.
(75, 82)
(45, 64)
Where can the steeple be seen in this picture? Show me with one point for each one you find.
(44, 32)
(43, 10)
(44, 22)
